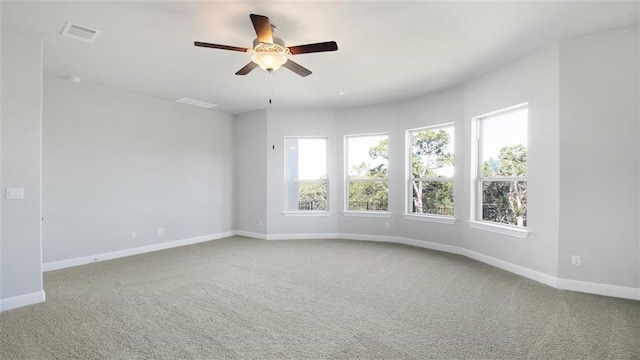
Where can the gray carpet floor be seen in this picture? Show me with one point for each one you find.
(240, 298)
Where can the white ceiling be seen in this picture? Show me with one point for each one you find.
(387, 50)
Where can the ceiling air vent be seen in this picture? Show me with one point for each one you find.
(80, 32)
(196, 103)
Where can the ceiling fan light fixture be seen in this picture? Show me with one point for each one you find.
(269, 61)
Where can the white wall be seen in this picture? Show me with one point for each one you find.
(533, 79)
(21, 281)
(393, 119)
(599, 154)
(116, 163)
(281, 123)
(1, 186)
(250, 158)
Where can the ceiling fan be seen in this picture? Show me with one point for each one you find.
(269, 52)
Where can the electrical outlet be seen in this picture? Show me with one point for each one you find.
(160, 231)
(576, 260)
(12, 193)
(134, 235)
(261, 223)
(386, 224)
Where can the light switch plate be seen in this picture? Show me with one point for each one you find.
(15, 193)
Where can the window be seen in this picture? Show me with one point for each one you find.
(306, 174)
(431, 171)
(367, 183)
(501, 175)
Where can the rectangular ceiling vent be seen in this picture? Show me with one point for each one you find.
(196, 103)
(79, 32)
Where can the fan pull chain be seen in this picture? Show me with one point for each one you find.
(270, 87)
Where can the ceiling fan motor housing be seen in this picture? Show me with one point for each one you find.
(276, 41)
(270, 56)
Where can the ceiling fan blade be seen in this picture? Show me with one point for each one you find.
(296, 68)
(312, 48)
(223, 47)
(263, 28)
(247, 68)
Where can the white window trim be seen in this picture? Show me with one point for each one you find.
(306, 213)
(440, 219)
(347, 180)
(369, 214)
(293, 213)
(368, 180)
(443, 219)
(477, 179)
(504, 229)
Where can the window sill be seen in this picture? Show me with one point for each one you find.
(305, 213)
(431, 218)
(520, 233)
(371, 214)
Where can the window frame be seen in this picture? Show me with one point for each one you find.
(287, 182)
(347, 180)
(478, 179)
(409, 179)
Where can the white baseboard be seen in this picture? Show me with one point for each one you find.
(599, 289)
(431, 245)
(363, 237)
(513, 268)
(301, 236)
(367, 237)
(62, 264)
(402, 240)
(22, 300)
(250, 234)
(505, 265)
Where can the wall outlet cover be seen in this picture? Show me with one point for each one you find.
(576, 260)
(14, 193)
